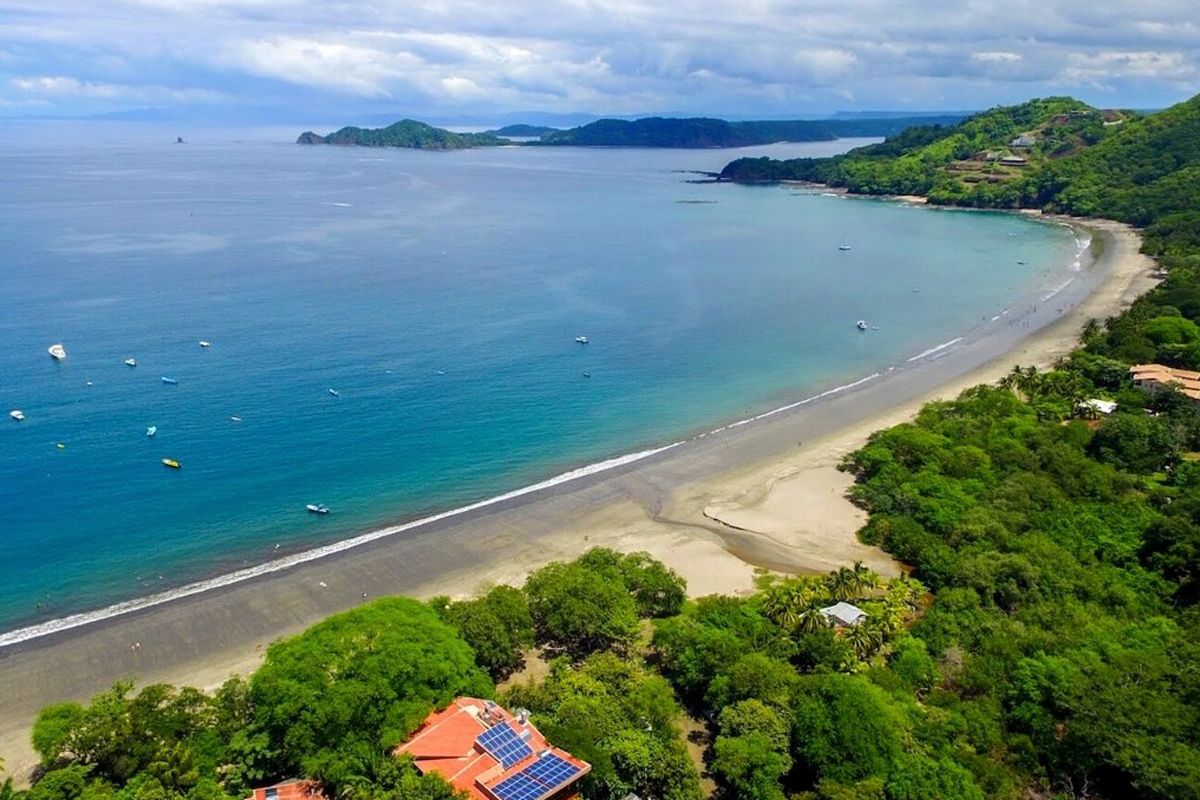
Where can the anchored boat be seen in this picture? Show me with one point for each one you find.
(317, 508)
(172, 463)
(57, 352)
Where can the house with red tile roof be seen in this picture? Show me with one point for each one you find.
(1156, 377)
(491, 754)
(289, 790)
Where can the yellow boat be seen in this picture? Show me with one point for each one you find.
(172, 463)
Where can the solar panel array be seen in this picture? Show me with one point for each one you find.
(504, 744)
(537, 780)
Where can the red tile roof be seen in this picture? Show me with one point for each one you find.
(289, 790)
(446, 744)
(1152, 375)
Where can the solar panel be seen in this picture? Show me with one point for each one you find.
(550, 770)
(519, 787)
(504, 744)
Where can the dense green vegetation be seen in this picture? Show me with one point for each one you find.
(522, 131)
(405, 133)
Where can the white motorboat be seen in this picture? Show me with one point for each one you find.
(861, 324)
(205, 344)
(16, 414)
(334, 392)
(131, 362)
(843, 247)
(152, 431)
(57, 352)
(581, 339)
(317, 508)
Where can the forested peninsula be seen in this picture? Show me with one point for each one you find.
(1045, 645)
(695, 132)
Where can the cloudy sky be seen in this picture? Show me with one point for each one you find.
(347, 59)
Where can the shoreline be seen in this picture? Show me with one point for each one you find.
(714, 507)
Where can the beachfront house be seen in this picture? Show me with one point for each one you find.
(490, 754)
(843, 615)
(1155, 378)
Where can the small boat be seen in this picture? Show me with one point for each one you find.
(152, 431)
(581, 339)
(172, 463)
(17, 414)
(131, 362)
(60, 446)
(235, 419)
(57, 352)
(334, 392)
(861, 324)
(205, 344)
(587, 374)
(1022, 263)
(169, 381)
(317, 508)
(843, 247)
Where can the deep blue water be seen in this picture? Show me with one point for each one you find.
(439, 294)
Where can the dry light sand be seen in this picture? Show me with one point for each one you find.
(716, 509)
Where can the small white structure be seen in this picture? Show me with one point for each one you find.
(1024, 140)
(1098, 405)
(843, 615)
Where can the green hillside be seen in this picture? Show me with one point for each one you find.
(986, 160)
(405, 133)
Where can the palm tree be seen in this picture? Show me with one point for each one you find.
(811, 619)
(864, 578)
(843, 584)
(866, 640)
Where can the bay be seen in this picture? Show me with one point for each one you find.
(439, 295)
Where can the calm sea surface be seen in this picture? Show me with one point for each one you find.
(439, 294)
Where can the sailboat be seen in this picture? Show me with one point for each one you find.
(57, 351)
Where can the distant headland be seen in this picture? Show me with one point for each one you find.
(664, 132)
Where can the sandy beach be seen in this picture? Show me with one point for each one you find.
(761, 495)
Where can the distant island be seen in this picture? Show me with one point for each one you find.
(405, 133)
(664, 132)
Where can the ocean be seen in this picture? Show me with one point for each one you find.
(439, 296)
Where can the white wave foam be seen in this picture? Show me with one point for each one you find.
(1058, 289)
(936, 349)
(137, 604)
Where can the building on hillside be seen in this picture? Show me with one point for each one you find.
(487, 752)
(1013, 161)
(843, 615)
(1156, 378)
(1024, 140)
(289, 790)
(1098, 406)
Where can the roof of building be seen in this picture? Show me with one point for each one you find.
(1102, 406)
(485, 751)
(1188, 381)
(844, 613)
(296, 789)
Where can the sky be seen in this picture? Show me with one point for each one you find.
(364, 60)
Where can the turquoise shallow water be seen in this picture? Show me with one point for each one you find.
(439, 294)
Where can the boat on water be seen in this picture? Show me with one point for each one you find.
(169, 381)
(843, 247)
(57, 352)
(861, 324)
(17, 414)
(172, 463)
(205, 344)
(581, 339)
(334, 392)
(317, 508)
(152, 431)
(235, 419)
(131, 362)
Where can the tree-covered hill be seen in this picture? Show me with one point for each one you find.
(405, 133)
(699, 132)
(989, 159)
